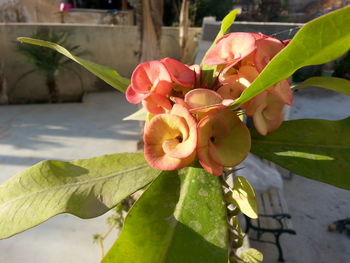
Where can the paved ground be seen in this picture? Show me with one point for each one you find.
(314, 205)
(31, 133)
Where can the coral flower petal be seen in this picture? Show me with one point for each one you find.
(266, 49)
(151, 76)
(203, 101)
(231, 49)
(222, 140)
(180, 73)
(156, 104)
(269, 115)
(264, 125)
(170, 139)
(249, 72)
(259, 121)
(202, 97)
(161, 128)
(133, 97)
(230, 139)
(207, 163)
(182, 146)
(233, 86)
(283, 91)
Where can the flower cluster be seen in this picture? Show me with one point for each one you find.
(191, 119)
(240, 57)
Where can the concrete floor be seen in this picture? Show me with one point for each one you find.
(31, 133)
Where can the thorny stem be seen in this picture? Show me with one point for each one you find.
(230, 213)
(225, 187)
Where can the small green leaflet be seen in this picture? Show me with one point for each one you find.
(251, 255)
(244, 196)
(139, 115)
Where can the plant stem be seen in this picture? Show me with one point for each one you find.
(102, 239)
(102, 247)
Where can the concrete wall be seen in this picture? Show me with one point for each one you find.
(96, 16)
(114, 46)
(29, 11)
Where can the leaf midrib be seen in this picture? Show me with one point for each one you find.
(177, 212)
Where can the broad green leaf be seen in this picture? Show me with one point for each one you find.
(244, 196)
(86, 188)
(316, 149)
(319, 41)
(336, 84)
(107, 74)
(139, 115)
(251, 255)
(179, 218)
(208, 71)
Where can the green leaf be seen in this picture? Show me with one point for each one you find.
(251, 255)
(208, 71)
(139, 115)
(244, 196)
(336, 84)
(181, 217)
(316, 149)
(107, 74)
(319, 41)
(86, 188)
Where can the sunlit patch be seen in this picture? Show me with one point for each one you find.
(304, 155)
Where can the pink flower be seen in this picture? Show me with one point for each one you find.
(230, 49)
(255, 48)
(235, 75)
(190, 117)
(150, 83)
(223, 140)
(179, 72)
(267, 107)
(170, 139)
(266, 49)
(153, 82)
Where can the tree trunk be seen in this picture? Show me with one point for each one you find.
(183, 29)
(149, 17)
(52, 86)
(151, 25)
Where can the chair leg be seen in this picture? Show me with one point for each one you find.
(280, 252)
(248, 224)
